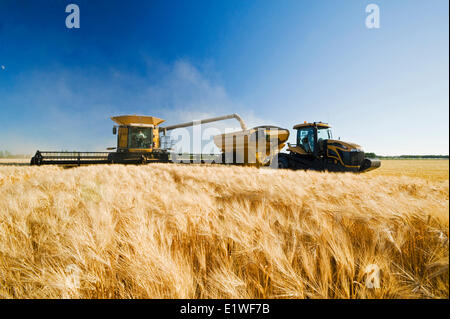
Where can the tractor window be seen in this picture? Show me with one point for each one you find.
(140, 137)
(324, 134)
(305, 139)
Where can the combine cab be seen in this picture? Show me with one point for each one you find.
(137, 140)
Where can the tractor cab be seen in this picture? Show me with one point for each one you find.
(311, 137)
(136, 133)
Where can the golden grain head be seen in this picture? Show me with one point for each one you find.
(192, 231)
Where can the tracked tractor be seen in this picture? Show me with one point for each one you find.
(316, 149)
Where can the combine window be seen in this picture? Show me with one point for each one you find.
(140, 137)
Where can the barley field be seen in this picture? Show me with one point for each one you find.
(192, 231)
(430, 169)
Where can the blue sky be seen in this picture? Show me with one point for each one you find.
(273, 62)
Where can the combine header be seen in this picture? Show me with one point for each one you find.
(69, 158)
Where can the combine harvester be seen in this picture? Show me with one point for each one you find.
(139, 142)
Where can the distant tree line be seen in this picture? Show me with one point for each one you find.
(373, 155)
(7, 154)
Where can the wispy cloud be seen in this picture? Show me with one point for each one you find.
(70, 108)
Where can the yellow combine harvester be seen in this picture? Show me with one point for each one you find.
(139, 142)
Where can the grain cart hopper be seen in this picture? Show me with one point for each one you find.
(256, 146)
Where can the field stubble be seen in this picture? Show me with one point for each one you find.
(188, 231)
